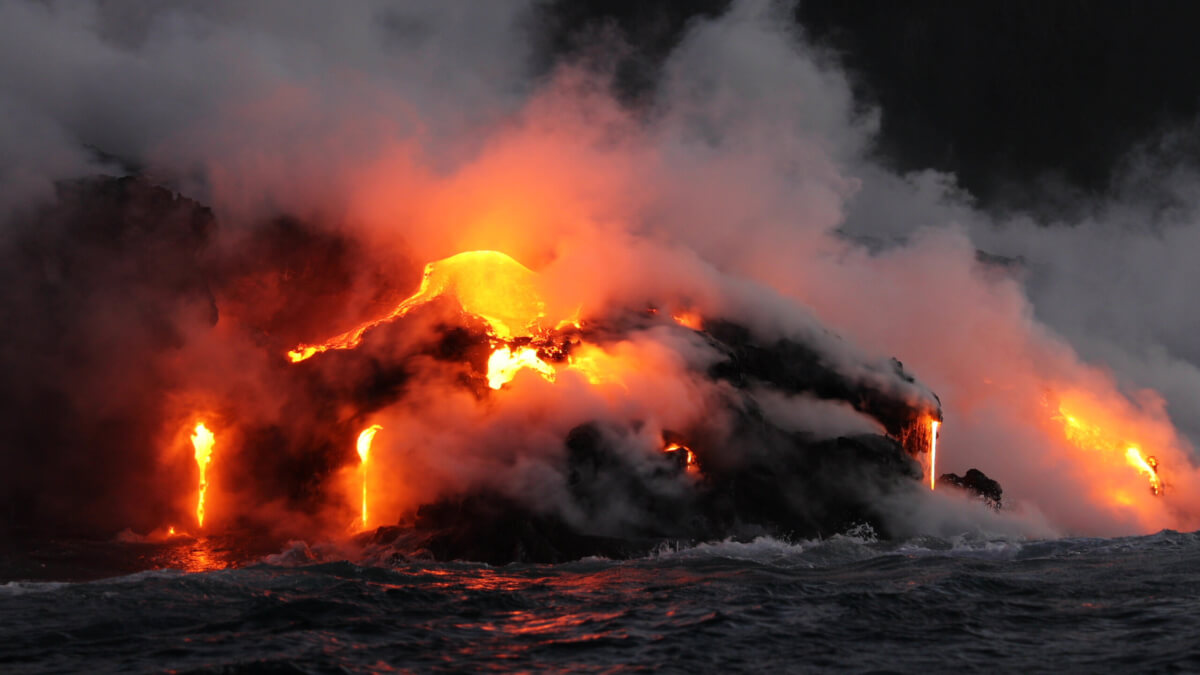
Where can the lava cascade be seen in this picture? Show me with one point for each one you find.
(1113, 448)
(202, 443)
(933, 443)
(488, 284)
(363, 445)
(503, 293)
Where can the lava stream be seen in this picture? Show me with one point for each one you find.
(1087, 436)
(505, 362)
(488, 284)
(933, 435)
(364, 449)
(689, 456)
(202, 441)
(1147, 465)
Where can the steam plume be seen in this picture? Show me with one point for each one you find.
(341, 148)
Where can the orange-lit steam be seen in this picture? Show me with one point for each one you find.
(595, 364)
(202, 442)
(364, 450)
(1089, 436)
(738, 204)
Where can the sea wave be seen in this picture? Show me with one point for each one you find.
(844, 602)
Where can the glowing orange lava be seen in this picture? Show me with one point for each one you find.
(689, 456)
(688, 320)
(1087, 436)
(202, 441)
(933, 435)
(504, 364)
(499, 290)
(1146, 465)
(595, 364)
(364, 450)
(488, 284)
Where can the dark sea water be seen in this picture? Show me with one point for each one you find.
(1078, 605)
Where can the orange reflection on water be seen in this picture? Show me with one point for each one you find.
(525, 622)
(474, 580)
(199, 555)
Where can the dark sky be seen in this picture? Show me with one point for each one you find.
(1007, 95)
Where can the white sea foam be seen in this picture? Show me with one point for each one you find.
(844, 548)
(296, 552)
(14, 588)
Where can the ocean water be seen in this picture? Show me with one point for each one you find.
(846, 603)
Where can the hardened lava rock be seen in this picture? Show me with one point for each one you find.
(977, 482)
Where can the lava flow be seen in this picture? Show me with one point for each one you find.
(504, 364)
(1089, 436)
(1147, 465)
(933, 435)
(364, 449)
(689, 456)
(202, 441)
(488, 284)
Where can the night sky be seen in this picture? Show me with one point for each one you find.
(1022, 101)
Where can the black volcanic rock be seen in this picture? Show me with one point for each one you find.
(806, 490)
(797, 368)
(100, 288)
(643, 497)
(977, 482)
(748, 477)
(110, 283)
(486, 527)
(816, 490)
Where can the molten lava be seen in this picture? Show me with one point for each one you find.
(933, 435)
(488, 284)
(202, 442)
(689, 456)
(504, 364)
(364, 450)
(688, 320)
(502, 292)
(587, 364)
(1146, 465)
(1087, 436)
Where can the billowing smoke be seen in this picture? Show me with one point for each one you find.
(342, 148)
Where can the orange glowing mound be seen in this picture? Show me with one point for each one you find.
(488, 284)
